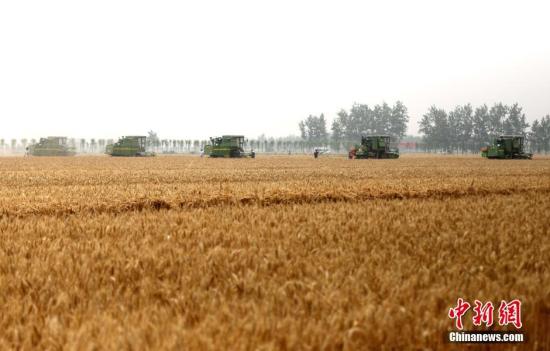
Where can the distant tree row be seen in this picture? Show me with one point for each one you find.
(314, 129)
(262, 144)
(539, 137)
(98, 145)
(466, 129)
(360, 120)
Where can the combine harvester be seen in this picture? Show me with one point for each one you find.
(129, 146)
(506, 147)
(374, 146)
(228, 146)
(51, 146)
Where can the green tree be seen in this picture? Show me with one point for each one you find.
(497, 115)
(153, 140)
(399, 120)
(435, 127)
(361, 120)
(382, 119)
(480, 127)
(466, 127)
(341, 127)
(539, 136)
(460, 122)
(314, 129)
(515, 122)
(453, 131)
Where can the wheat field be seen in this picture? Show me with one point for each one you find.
(274, 253)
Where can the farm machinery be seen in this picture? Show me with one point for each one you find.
(51, 146)
(374, 146)
(129, 146)
(228, 146)
(506, 147)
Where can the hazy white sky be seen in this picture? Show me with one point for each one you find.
(107, 68)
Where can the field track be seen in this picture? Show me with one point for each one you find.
(272, 253)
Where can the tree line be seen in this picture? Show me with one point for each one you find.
(464, 129)
(262, 144)
(539, 137)
(467, 129)
(361, 119)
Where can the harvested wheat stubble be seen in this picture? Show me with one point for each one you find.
(273, 253)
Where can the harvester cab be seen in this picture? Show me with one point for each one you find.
(374, 146)
(232, 146)
(506, 147)
(129, 146)
(51, 146)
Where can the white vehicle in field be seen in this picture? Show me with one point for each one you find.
(322, 150)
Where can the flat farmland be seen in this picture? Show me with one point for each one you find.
(268, 253)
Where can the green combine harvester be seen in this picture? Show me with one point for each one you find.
(129, 146)
(51, 146)
(228, 146)
(374, 146)
(506, 147)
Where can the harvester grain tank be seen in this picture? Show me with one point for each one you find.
(51, 146)
(506, 147)
(374, 146)
(129, 146)
(228, 146)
